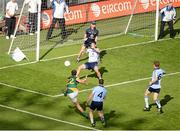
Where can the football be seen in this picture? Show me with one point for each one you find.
(67, 63)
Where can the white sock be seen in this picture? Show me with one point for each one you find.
(146, 99)
(158, 103)
(92, 121)
(102, 119)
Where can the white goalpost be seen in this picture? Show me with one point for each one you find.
(38, 32)
(157, 19)
(22, 38)
(136, 17)
(147, 22)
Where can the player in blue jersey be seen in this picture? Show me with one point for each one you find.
(97, 97)
(93, 60)
(154, 87)
(90, 37)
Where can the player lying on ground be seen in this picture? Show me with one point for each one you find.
(89, 38)
(72, 90)
(154, 87)
(93, 60)
(97, 96)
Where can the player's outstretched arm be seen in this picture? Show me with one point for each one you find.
(82, 81)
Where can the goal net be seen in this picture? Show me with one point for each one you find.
(139, 18)
(27, 32)
(144, 19)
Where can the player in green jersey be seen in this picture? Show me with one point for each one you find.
(72, 90)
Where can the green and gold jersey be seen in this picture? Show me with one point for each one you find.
(72, 85)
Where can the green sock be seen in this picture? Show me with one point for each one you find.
(84, 114)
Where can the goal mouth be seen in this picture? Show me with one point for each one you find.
(139, 19)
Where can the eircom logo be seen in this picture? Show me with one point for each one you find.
(95, 9)
(144, 3)
(45, 19)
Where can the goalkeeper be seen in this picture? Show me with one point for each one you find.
(168, 14)
(59, 8)
(72, 90)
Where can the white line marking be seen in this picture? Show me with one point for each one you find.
(58, 120)
(66, 56)
(72, 55)
(122, 83)
(23, 89)
(46, 117)
(10, 66)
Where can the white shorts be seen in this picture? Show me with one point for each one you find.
(73, 96)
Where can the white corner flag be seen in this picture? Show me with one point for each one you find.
(18, 55)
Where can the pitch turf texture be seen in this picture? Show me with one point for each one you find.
(31, 95)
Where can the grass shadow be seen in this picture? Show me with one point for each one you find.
(69, 31)
(163, 101)
(166, 99)
(102, 54)
(48, 51)
(102, 71)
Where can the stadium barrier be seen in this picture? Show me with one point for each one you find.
(103, 10)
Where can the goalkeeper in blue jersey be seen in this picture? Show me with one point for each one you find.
(154, 87)
(72, 90)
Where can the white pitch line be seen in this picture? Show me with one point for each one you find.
(72, 55)
(59, 95)
(122, 83)
(10, 66)
(46, 117)
(23, 89)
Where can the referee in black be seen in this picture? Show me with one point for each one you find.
(168, 15)
(90, 37)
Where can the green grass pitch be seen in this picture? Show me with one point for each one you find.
(31, 97)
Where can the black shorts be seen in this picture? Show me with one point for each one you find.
(88, 43)
(96, 105)
(152, 90)
(90, 66)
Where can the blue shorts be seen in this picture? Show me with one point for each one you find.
(91, 65)
(152, 90)
(96, 105)
(88, 43)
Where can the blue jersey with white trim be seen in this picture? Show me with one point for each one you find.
(99, 93)
(157, 73)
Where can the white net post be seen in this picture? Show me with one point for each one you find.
(157, 20)
(38, 31)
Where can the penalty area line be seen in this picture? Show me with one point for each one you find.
(46, 117)
(26, 90)
(122, 83)
(59, 95)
